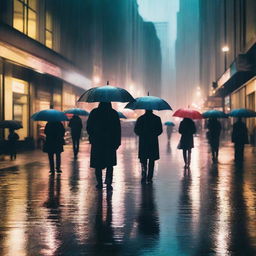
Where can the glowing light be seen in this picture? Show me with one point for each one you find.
(96, 79)
(225, 48)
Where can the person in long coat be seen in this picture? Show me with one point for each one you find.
(187, 128)
(148, 127)
(213, 134)
(76, 126)
(103, 127)
(239, 138)
(13, 137)
(54, 142)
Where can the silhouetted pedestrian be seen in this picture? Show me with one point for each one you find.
(54, 142)
(187, 128)
(169, 129)
(76, 126)
(13, 137)
(239, 137)
(213, 135)
(103, 127)
(148, 127)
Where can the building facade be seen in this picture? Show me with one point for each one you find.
(34, 71)
(228, 54)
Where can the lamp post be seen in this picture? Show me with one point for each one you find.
(225, 49)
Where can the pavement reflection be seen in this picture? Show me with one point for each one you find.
(209, 209)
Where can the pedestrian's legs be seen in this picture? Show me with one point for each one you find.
(58, 162)
(239, 152)
(185, 156)
(151, 165)
(74, 145)
(109, 176)
(77, 145)
(189, 157)
(143, 171)
(98, 174)
(51, 161)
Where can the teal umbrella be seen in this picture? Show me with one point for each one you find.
(149, 103)
(50, 115)
(242, 112)
(214, 114)
(169, 123)
(106, 93)
(77, 111)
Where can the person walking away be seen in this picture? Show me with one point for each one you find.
(104, 130)
(76, 126)
(54, 142)
(239, 138)
(187, 128)
(13, 137)
(169, 129)
(148, 127)
(214, 129)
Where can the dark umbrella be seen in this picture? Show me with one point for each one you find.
(77, 111)
(121, 115)
(169, 123)
(214, 114)
(11, 124)
(188, 113)
(242, 112)
(106, 93)
(149, 103)
(50, 115)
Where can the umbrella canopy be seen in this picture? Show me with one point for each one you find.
(169, 123)
(77, 111)
(242, 112)
(106, 93)
(188, 113)
(50, 115)
(11, 124)
(214, 114)
(121, 115)
(149, 103)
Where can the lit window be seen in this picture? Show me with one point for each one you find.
(25, 17)
(48, 30)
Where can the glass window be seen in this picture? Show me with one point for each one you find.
(25, 17)
(18, 15)
(48, 30)
(31, 24)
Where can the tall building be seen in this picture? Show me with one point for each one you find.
(228, 54)
(35, 73)
(187, 54)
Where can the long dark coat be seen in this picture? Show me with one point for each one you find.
(76, 126)
(103, 127)
(54, 142)
(240, 133)
(214, 129)
(187, 128)
(148, 127)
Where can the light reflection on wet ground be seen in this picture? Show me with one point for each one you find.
(207, 210)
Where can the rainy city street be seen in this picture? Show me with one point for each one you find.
(207, 210)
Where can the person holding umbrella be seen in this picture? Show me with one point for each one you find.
(54, 131)
(169, 129)
(13, 137)
(239, 138)
(187, 129)
(104, 129)
(148, 127)
(214, 129)
(76, 126)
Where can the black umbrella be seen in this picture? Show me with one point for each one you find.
(11, 124)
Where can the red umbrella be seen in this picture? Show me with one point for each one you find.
(188, 113)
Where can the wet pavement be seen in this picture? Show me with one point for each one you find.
(208, 210)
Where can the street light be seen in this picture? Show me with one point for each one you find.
(225, 49)
(96, 79)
